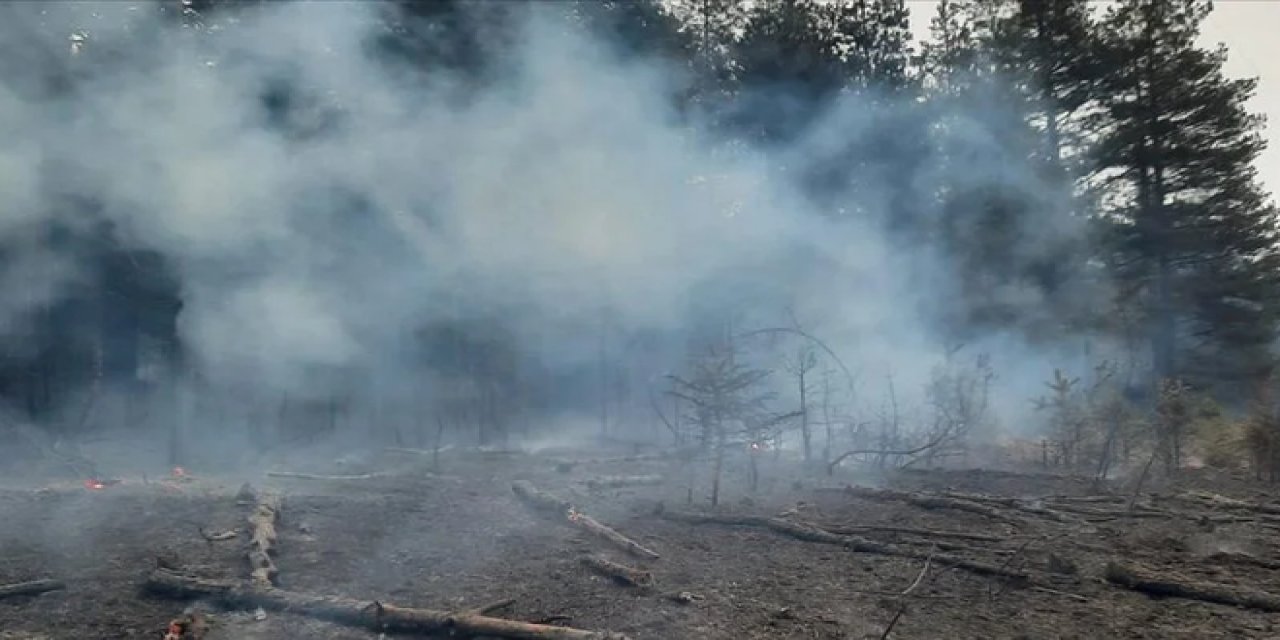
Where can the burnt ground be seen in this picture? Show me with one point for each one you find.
(459, 538)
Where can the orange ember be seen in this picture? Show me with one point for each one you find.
(175, 631)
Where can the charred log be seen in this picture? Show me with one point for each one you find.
(375, 616)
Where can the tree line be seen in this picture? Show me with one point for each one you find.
(1134, 212)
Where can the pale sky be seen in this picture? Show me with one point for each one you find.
(1248, 28)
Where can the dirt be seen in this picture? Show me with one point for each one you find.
(457, 537)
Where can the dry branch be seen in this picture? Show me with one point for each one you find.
(35, 587)
(314, 476)
(617, 482)
(418, 452)
(853, 543)
(550, 504)
(1215, 500)
(376, 616)
(1013, 503)
(913, 531)
(262, 539)
(619, 572)
(831, 466)
(930, 501)
(218, 536)
(1173, 586)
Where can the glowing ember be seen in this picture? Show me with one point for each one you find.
(175, 631)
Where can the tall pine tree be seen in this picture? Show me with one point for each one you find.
(1196, 237)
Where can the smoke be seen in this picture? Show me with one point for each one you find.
(320, 233)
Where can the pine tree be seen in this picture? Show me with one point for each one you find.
(1196, 236)
(993, 210)
(1046, 48)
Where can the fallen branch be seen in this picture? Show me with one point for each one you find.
(550, 504)
(314, 476)
(35, 587)
(262, 539)
(1216, 500)
(375, 616)
(619, 572)
(929, 501)
(913, 531)
(218, 536)
(617, 482)
(1013, 503)
(418, 452)
(853, 543)
(831, 466)
(902, 608)
(1173, 586)
(492, 607)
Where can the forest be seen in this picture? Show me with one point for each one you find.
(676, 318)
(793, 199)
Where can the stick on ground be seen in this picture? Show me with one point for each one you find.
(856, 529)
(1173, 586)
(928, 501)
(315, 476)
(35, 587)
(619, 572)
(617, 482)
(550, 504)
(376, 616)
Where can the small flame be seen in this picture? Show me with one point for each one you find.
(94, 485)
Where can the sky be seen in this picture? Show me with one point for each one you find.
(1247, 27)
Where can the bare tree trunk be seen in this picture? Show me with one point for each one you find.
(718, 465)
(804, 414)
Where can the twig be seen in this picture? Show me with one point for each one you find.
(902, 608)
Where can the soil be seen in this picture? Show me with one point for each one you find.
(457, 537)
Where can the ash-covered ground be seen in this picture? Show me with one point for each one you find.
(453, 536)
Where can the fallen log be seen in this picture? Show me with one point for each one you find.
(1172, 586)
(912, 531)
(619, 572)
(34, 587)
(418, 452)
(336, 478)
(1012, 503)
(853, 543)
(1216, 500)
(550, 504)
(930, 502)
(1239, 558)
(262, 539)
(375, 615)
(617, 482)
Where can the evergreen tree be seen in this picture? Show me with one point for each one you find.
(1195, 233)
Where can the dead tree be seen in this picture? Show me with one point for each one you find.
(721, 391)
(804, 362)
(1173, 421)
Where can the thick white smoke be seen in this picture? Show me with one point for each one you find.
(566, 189)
